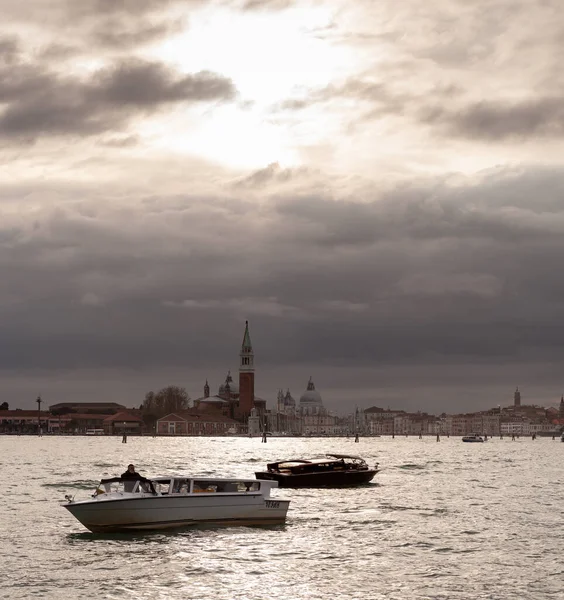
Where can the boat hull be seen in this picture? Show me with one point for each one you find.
(322, 479)
(169, 512)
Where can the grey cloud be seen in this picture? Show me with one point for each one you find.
(57, 52)
(140, 83)
(401, 281)
(337, 281)
(113, 7)
(9, 49)
(41, 102)
(255, 5)
(445, 109)
(120, 141)
(92, 27)
(376, 98)
(502, 120)
(274, 174)
(443, 214)
(117, 35)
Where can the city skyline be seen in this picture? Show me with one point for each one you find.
(376, 187)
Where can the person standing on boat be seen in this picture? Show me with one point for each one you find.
(132, 475)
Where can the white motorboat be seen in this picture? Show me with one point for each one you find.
(474, 437)
(177, 501)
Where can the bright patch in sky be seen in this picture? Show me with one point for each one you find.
(268, 59)
(230, 135)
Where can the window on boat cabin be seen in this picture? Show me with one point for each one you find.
(225, 487)
(204, 487)
(248, 486)
(181, 486)
(162, 486)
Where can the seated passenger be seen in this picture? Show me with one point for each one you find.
(180, 486)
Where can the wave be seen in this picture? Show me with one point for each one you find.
(78, 485)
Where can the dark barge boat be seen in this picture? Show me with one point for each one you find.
(334, 470)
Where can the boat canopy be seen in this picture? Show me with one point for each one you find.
(327, 460)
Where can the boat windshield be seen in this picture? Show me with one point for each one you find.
(127, 486)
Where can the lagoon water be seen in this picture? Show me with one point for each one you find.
(442, 520)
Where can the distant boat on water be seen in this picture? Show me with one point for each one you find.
(333, 470)
(474, 437)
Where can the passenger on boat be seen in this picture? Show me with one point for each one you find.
(131, 475)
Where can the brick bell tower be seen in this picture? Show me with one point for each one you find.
(517, 398)
(246, 375)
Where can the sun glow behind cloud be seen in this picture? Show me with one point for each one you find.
(228, 135)
(267, 59)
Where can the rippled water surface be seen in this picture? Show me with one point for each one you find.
(442, 520)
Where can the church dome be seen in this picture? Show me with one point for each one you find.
(233, 386)
(311, 397)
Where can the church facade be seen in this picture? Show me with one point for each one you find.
(236, 399)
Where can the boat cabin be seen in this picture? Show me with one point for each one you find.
(174, 486)
(332, 462)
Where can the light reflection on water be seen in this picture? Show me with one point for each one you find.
(442, 520)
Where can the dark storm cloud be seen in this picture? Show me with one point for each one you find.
(41, 102)
(416, 215)
(406, 278)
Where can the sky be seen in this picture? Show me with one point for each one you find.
(378, 187)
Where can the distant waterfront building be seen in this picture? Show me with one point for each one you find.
(285, 418)
(314, 417)
(310, 401)
(109, 408)
(254, 424)
(286, 405)
(190, 422)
